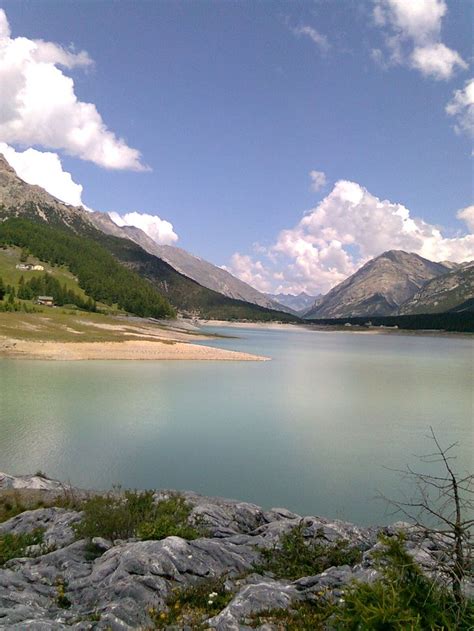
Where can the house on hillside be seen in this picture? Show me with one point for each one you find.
(29, 267)
(48, 301)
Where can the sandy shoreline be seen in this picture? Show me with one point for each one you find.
(127, 350)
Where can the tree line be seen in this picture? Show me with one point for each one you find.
(99, 274)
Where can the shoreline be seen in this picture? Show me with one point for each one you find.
(142, 350)
(328, 328)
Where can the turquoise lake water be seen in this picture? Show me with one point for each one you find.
(314, 430)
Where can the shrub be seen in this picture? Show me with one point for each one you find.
(15, 546)
(294, 556)
(135, 514)
(169, 517)
(402, 599)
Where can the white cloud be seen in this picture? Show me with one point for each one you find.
(436, 60)
(412, 31)
(467, 215)
(461, 106)
(38, 105)
(44, 169)
(318, 180)
(317, 38)
(346, 229)
(160, 230)
(250, 271)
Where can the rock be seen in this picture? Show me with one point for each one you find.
(56, 522)
(265, 595)
(101, 544)
(30, 482)
(116, 590)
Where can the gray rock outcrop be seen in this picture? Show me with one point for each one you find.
(59, 585)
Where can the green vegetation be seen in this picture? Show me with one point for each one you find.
(186, 294)
(190, 607)
(294, 556)
(117, 271)
(462, 322)
(403, 598)
(12, 504)
(46, 285)
(98, 272)
(61, 599)
(136, 514)
(11, 256)
(68, 325)
(15, 546)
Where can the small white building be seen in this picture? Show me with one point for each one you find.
(29, 267)
(48, 301)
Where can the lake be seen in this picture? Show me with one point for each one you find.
(315, 430)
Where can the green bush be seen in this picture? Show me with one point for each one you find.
(294, 556)
(403, 599)
(136, 514)
(15, 546)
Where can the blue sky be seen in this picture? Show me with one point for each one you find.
(232, 105)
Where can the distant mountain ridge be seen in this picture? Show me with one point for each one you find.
(296, 302)
(200, 270)
(28, 201)
(21, 200)
(396, 282)
(453, 291)
(379, 287)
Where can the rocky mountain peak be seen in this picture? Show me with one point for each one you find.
(379, 287)
(5, 165)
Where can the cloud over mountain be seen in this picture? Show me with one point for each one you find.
(38, 104)
(44, 169)
(160, 230)
(346, 229)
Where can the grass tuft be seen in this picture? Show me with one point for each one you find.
(136, 514)
(294, 556)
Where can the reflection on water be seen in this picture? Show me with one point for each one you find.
(312, 430)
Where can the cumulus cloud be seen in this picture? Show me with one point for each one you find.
(412, 32)
(44, 169)
(317, 38)
(318, 180)
(160, 230)
(461, 106)
(346, 229)
(467, 215)
(250, 271)
(38, 105)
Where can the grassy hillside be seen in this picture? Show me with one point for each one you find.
(117, 271)
(99, 274)
(64, 325)
(10, 257)
(182, 292)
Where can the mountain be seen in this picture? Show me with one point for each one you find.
(296, 303)
(19, 199)
(453, 291)
(203, 272)
(379, 287)
(73, 229)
